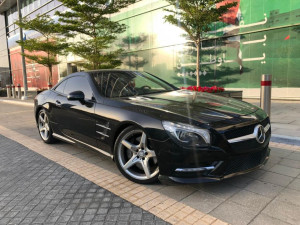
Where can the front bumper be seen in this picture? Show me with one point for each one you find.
(211, 162)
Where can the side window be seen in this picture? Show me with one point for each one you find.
(79, 84)
(60, 88)
(113, 84)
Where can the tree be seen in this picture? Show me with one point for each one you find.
(91, 20)
(134, 44)
(196, 17)
(48, 42)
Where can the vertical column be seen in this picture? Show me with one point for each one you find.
(19, 91)
(8, 91)
(13, 88)
(22, 52)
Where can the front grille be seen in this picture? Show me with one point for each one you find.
(242, 131)
(245, 162)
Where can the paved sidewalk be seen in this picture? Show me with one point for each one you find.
(35, 190)
(267, 196)
(285, 119)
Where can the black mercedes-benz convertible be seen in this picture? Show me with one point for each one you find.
(150, 127)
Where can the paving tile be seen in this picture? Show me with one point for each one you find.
(290, 196)
(251, 200)
(276, 178)
(283, 211)
(263, 219)
(218, 189)
(177, 192)
(294, 156)
(290, 163)
(256, 174)
(233, 213)
(48, 197)
(280, 152)
(202, 201)
(295, 184)
(239, 181)
(264, 188)
(285, 170)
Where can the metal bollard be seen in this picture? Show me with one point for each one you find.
(265, 93)
(8, 91)
(19, 91)
(13, 87)
(49, 86)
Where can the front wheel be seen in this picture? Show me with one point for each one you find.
(135, 157)
(45, 130)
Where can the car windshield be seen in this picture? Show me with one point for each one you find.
(115, 84)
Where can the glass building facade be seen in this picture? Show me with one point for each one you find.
(10, 58)
(255, 38)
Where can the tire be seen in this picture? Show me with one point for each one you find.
(44, 128)
(134, 157)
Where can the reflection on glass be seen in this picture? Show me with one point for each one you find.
(126, 84)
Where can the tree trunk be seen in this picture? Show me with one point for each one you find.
(198, 63)
(50, 75)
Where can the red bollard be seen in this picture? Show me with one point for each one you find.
(265, 93)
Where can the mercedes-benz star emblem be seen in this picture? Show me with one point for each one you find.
(259, 133)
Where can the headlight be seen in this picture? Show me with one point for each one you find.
(187, 134)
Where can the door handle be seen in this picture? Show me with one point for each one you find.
(58, 103)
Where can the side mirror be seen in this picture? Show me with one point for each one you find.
(76, 95)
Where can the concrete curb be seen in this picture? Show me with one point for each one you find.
(17, 102)
(290, 140)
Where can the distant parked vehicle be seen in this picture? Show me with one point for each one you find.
(149, 127)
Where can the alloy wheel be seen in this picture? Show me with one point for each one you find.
(135, 156)
(44, 128)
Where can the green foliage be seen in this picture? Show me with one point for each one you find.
(91, 20)
(49, 42)
(196, 18)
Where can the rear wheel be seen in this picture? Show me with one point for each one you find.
(135, 157)
(45, 130)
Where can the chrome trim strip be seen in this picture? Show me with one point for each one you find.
(97, 149)
(99, 125)
(248, 136)
(194, 169)
(102, 133)
(267, 127)
(242, 138)
(63, 138)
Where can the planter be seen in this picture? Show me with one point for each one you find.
(232, 94)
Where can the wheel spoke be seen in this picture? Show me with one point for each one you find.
(145, 164)
(132, 161)
(46, 133)
(47, 126)
(143, 140)
(151, 153)
(42, 119)
(130, 146)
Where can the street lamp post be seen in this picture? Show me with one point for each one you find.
(22, 52)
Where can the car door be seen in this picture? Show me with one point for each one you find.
(110, 85)
(76, 119)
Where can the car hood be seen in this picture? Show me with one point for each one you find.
(202, 107)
